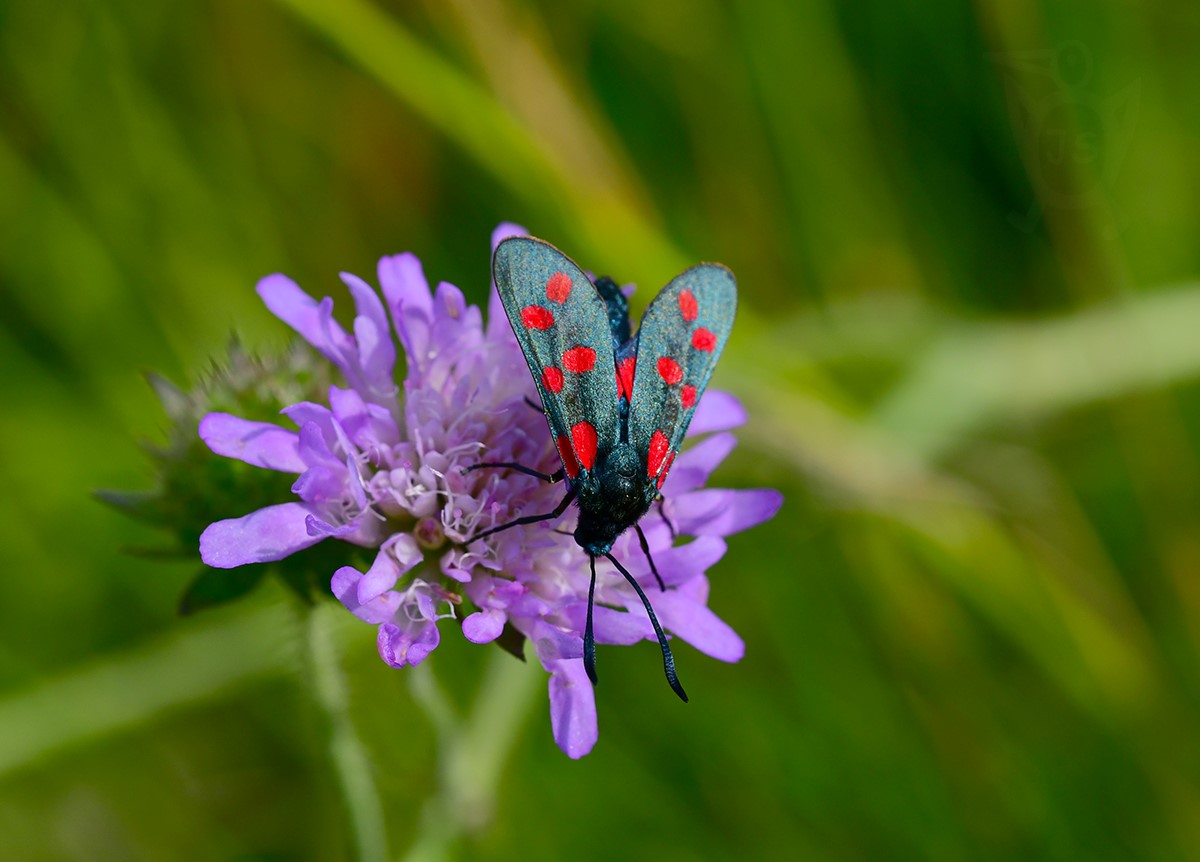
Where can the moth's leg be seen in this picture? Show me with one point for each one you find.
(556, 476)
(668, 659)
(662, 513)
(532, 519)
(538, 407)
(589, 639)
(646, 551)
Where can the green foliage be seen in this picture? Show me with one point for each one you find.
(965, 244)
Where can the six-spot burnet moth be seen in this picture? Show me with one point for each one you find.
(618, 405)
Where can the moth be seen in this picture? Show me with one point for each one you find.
(618, 404)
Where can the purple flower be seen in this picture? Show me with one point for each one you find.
(385, 469)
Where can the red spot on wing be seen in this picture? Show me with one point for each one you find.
(567, 455)
(662, 477)
(625, 377)
(583, 435)
(687, 396)
(558, 288)
(552, 379)
(669, 370)
(659, 448)
(703, 339)
(579, 359)
(536, 317)
(687, 306)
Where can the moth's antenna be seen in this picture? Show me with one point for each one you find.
(556, 476)
(646, 551)
(668, 659)
(589, 639)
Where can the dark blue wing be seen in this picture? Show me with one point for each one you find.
(678, 343)
(561, 323)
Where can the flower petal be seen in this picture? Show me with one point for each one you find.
(303, 412)
(620, 627)
(381, 609)
(411, 304)
(406, 646)
(695, 464)
(717, 411)
(369, 426)
(691, 620)
(378, 579)
(677, 564)
(316, 449)
(260, 537)
(373, 337)
(318, 527)
(344, 586)
(259, 443)
(321, 483)
(395, 558)
(503, 231)
(573, 708)
(719, 511)
(552, 644)
(312, 319)
(484, 627)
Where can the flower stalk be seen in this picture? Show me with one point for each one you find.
(351, 764)
(472, 751)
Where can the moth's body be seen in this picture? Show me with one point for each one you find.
(611, 499)
(618, 405)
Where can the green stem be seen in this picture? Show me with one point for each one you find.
(351, 764)
(472, 752)
(198, 662)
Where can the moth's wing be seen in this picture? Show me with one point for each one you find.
(561, 323)
(680, 339)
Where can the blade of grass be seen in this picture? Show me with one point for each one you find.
(975, 376)
(600, 218)
(350, 759)
(199, 660)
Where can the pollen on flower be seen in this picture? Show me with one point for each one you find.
(404, 471)
(429, 534)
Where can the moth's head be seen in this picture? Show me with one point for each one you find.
(612, 499)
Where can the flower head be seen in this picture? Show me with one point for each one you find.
(386, 469)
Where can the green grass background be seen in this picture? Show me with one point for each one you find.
(969, 338)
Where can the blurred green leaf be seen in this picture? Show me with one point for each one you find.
(979, 375)
(214, 587)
